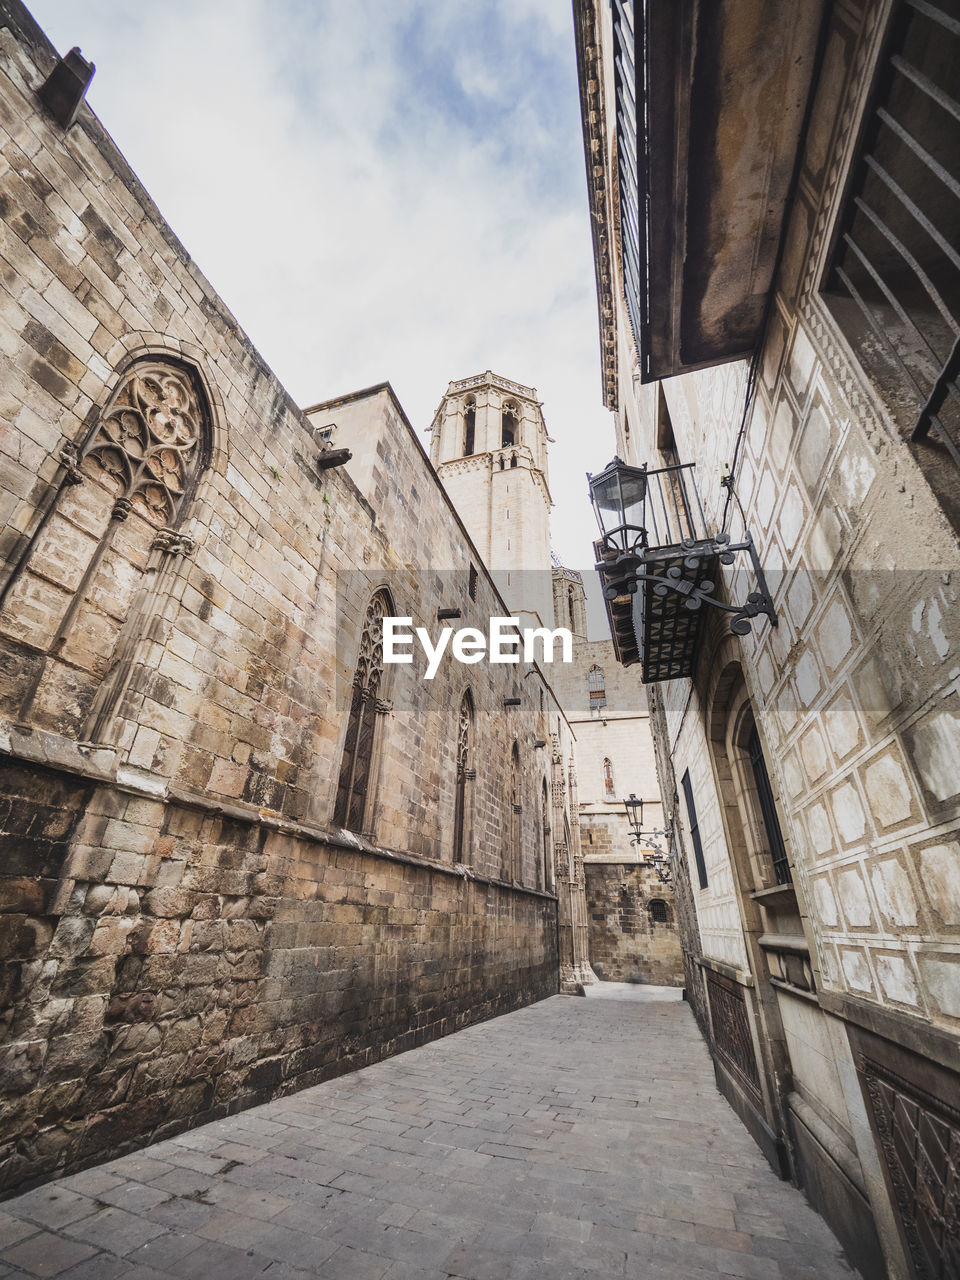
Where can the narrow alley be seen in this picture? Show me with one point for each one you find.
(575, 1138)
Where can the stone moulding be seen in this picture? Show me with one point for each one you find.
(506, 384)
(99, 764)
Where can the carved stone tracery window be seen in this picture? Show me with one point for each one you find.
(352, 809)
(465, 775)
(81, 588)
(146, 446)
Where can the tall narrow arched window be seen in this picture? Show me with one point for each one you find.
(353, 808)
(548, 876)
(464, 778)
(770, 823)
(509, 425)
(596, 688)
(514, 855)
(76, 592)
(570, 613)
(469, 425)
(609, 789)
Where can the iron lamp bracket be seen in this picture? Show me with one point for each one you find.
(629, 568)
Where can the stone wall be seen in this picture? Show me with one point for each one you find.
(239, 962)
(833, 1001)
(626, 943)
(185, 584)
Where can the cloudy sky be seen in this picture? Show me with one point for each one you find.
(379, 189)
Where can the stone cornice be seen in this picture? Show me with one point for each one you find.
(494, 379)
(602, 213)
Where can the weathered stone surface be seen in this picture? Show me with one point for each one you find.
(185, 930)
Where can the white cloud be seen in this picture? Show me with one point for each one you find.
(378, 191)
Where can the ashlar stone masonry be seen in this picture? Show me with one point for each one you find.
(187, 660)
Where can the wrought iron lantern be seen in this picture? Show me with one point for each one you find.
(660, 858)
(659, 563)
(618, 495)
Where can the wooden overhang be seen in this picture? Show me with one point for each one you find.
(726, 90)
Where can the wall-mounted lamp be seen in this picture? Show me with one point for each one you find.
(660, 859)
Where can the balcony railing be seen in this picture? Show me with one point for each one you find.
(657, 577)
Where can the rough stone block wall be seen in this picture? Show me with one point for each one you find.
(164, 965)
(626, 944)
(186, 931)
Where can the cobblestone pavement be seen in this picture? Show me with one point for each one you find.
(575, 1139)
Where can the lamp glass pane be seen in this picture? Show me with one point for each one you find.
(633, 488)
(606, 498)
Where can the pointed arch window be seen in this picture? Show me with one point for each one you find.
(609, 788)
(596, 688)
(780, 862)
(469, 425)
(75, 593)
(353, 808)
(548, 876)
(509, 426)
(464, 780)
(516, 813)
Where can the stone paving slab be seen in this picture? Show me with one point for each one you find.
(574, 1139)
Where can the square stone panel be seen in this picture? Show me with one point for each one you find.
(842, 724)
(855, 967)
(940, 975)
(855, 899)
(933, 744)
(890, 796)
(821, 832)
(938, 866)
(896, 977)
(894, 894)
(848, 813)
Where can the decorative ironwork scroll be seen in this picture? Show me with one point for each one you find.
(920, 1142)
(731, 1032)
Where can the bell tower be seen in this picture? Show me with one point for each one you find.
(489, 447)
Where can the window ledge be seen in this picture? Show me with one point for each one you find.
(784, 942)
(725, 970)
(799, 992)
(775, 893)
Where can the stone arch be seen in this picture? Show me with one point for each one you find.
(596, 688)
(515, 852)
(658, 911)
(509, 425)
(469, 425)
(609, 785)
(549, 874)
(740, 764)
(88, 577)
(464, 778)
(728, 719)
(363, 737)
